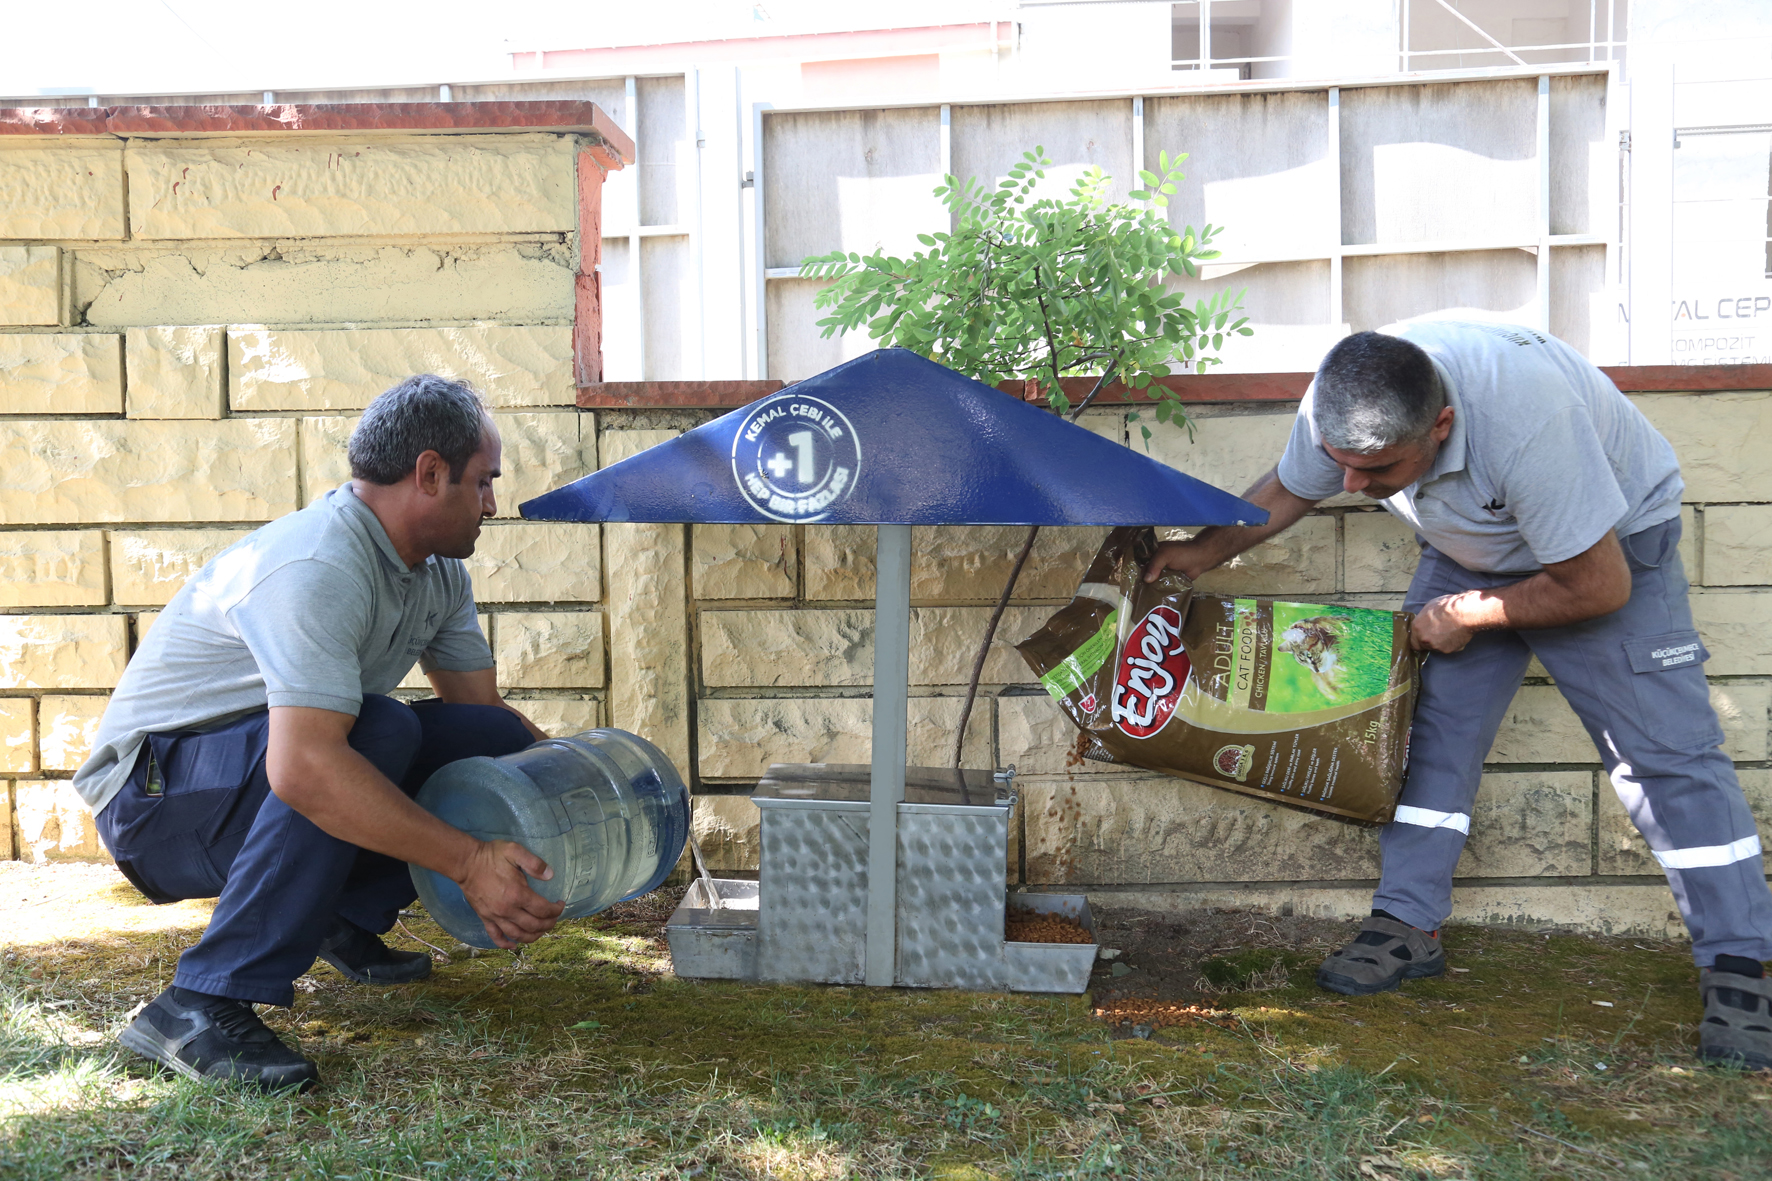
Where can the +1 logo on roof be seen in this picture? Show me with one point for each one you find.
(794, 457)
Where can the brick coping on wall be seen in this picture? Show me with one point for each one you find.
(614, 148)
(1208, 387)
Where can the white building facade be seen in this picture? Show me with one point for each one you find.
(1596, 168)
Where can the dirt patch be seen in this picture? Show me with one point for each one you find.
(1198, 957)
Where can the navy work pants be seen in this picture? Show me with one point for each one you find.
(216, 830)
(1635, 678)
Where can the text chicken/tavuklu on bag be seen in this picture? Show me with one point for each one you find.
(1305, 703)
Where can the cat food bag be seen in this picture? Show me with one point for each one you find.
(1304, 703)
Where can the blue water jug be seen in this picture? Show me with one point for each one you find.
(605, 809)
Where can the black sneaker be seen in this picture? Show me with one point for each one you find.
(217, 1038)
(367, 960)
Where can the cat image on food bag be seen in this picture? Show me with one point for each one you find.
(1312, 642)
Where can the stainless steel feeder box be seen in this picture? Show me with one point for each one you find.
(810, 918)
(953, 837)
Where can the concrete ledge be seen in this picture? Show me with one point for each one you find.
(1199, 387)
(686, 394)
(559, 115)
(1645, 909)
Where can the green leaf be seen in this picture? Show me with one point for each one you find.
(587, 1025)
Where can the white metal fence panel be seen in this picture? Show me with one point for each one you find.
(1343, 209)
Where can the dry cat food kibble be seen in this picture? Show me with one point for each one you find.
(1028, 927)
(1158, 1014)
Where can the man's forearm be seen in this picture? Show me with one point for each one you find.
(479, 687)
(1593, 583)
(1537, 601)
(1215, 545)
(1283, 511)
(535, 731)
(346, 797)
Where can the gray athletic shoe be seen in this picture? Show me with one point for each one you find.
(1737, 1025)
(1383, 955)
(218, 1039)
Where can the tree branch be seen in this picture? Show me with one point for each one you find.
(1084, 404)
(984, 649)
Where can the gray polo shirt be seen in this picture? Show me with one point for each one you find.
(1545, 454)
(315, 609)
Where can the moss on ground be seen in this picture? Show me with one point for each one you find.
(585, 1057)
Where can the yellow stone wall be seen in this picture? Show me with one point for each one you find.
(783, 658)
(188, 329)
(178, 368)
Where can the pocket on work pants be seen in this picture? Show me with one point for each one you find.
(1650, 548)
(1673, 699)
(203, 777)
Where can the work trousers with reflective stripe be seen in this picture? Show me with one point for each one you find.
(1635, 678)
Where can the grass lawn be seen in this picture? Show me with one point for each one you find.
(587, 1057)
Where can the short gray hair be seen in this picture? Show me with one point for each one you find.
(1375, 391)
(423, 413)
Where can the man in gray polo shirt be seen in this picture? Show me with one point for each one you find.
(1548, 510)
(252, 753)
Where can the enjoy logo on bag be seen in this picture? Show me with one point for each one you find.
(1153, 668)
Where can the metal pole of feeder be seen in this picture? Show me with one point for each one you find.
(892, 680)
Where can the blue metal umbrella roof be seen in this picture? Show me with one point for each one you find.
(892, 438)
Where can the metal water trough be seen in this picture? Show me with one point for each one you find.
(809, 918)
(885, 874)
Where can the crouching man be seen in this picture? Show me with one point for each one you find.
(252, 753)
(1549, 513)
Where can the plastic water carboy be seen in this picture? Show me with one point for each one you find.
(605, 809)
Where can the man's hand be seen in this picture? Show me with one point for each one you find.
(1437, 627)
(1190, 557)
(1217, 544)
(494, 884)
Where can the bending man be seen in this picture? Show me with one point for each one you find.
(1548, 510)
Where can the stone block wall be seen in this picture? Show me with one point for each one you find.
(188, 329)
(782, 662)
